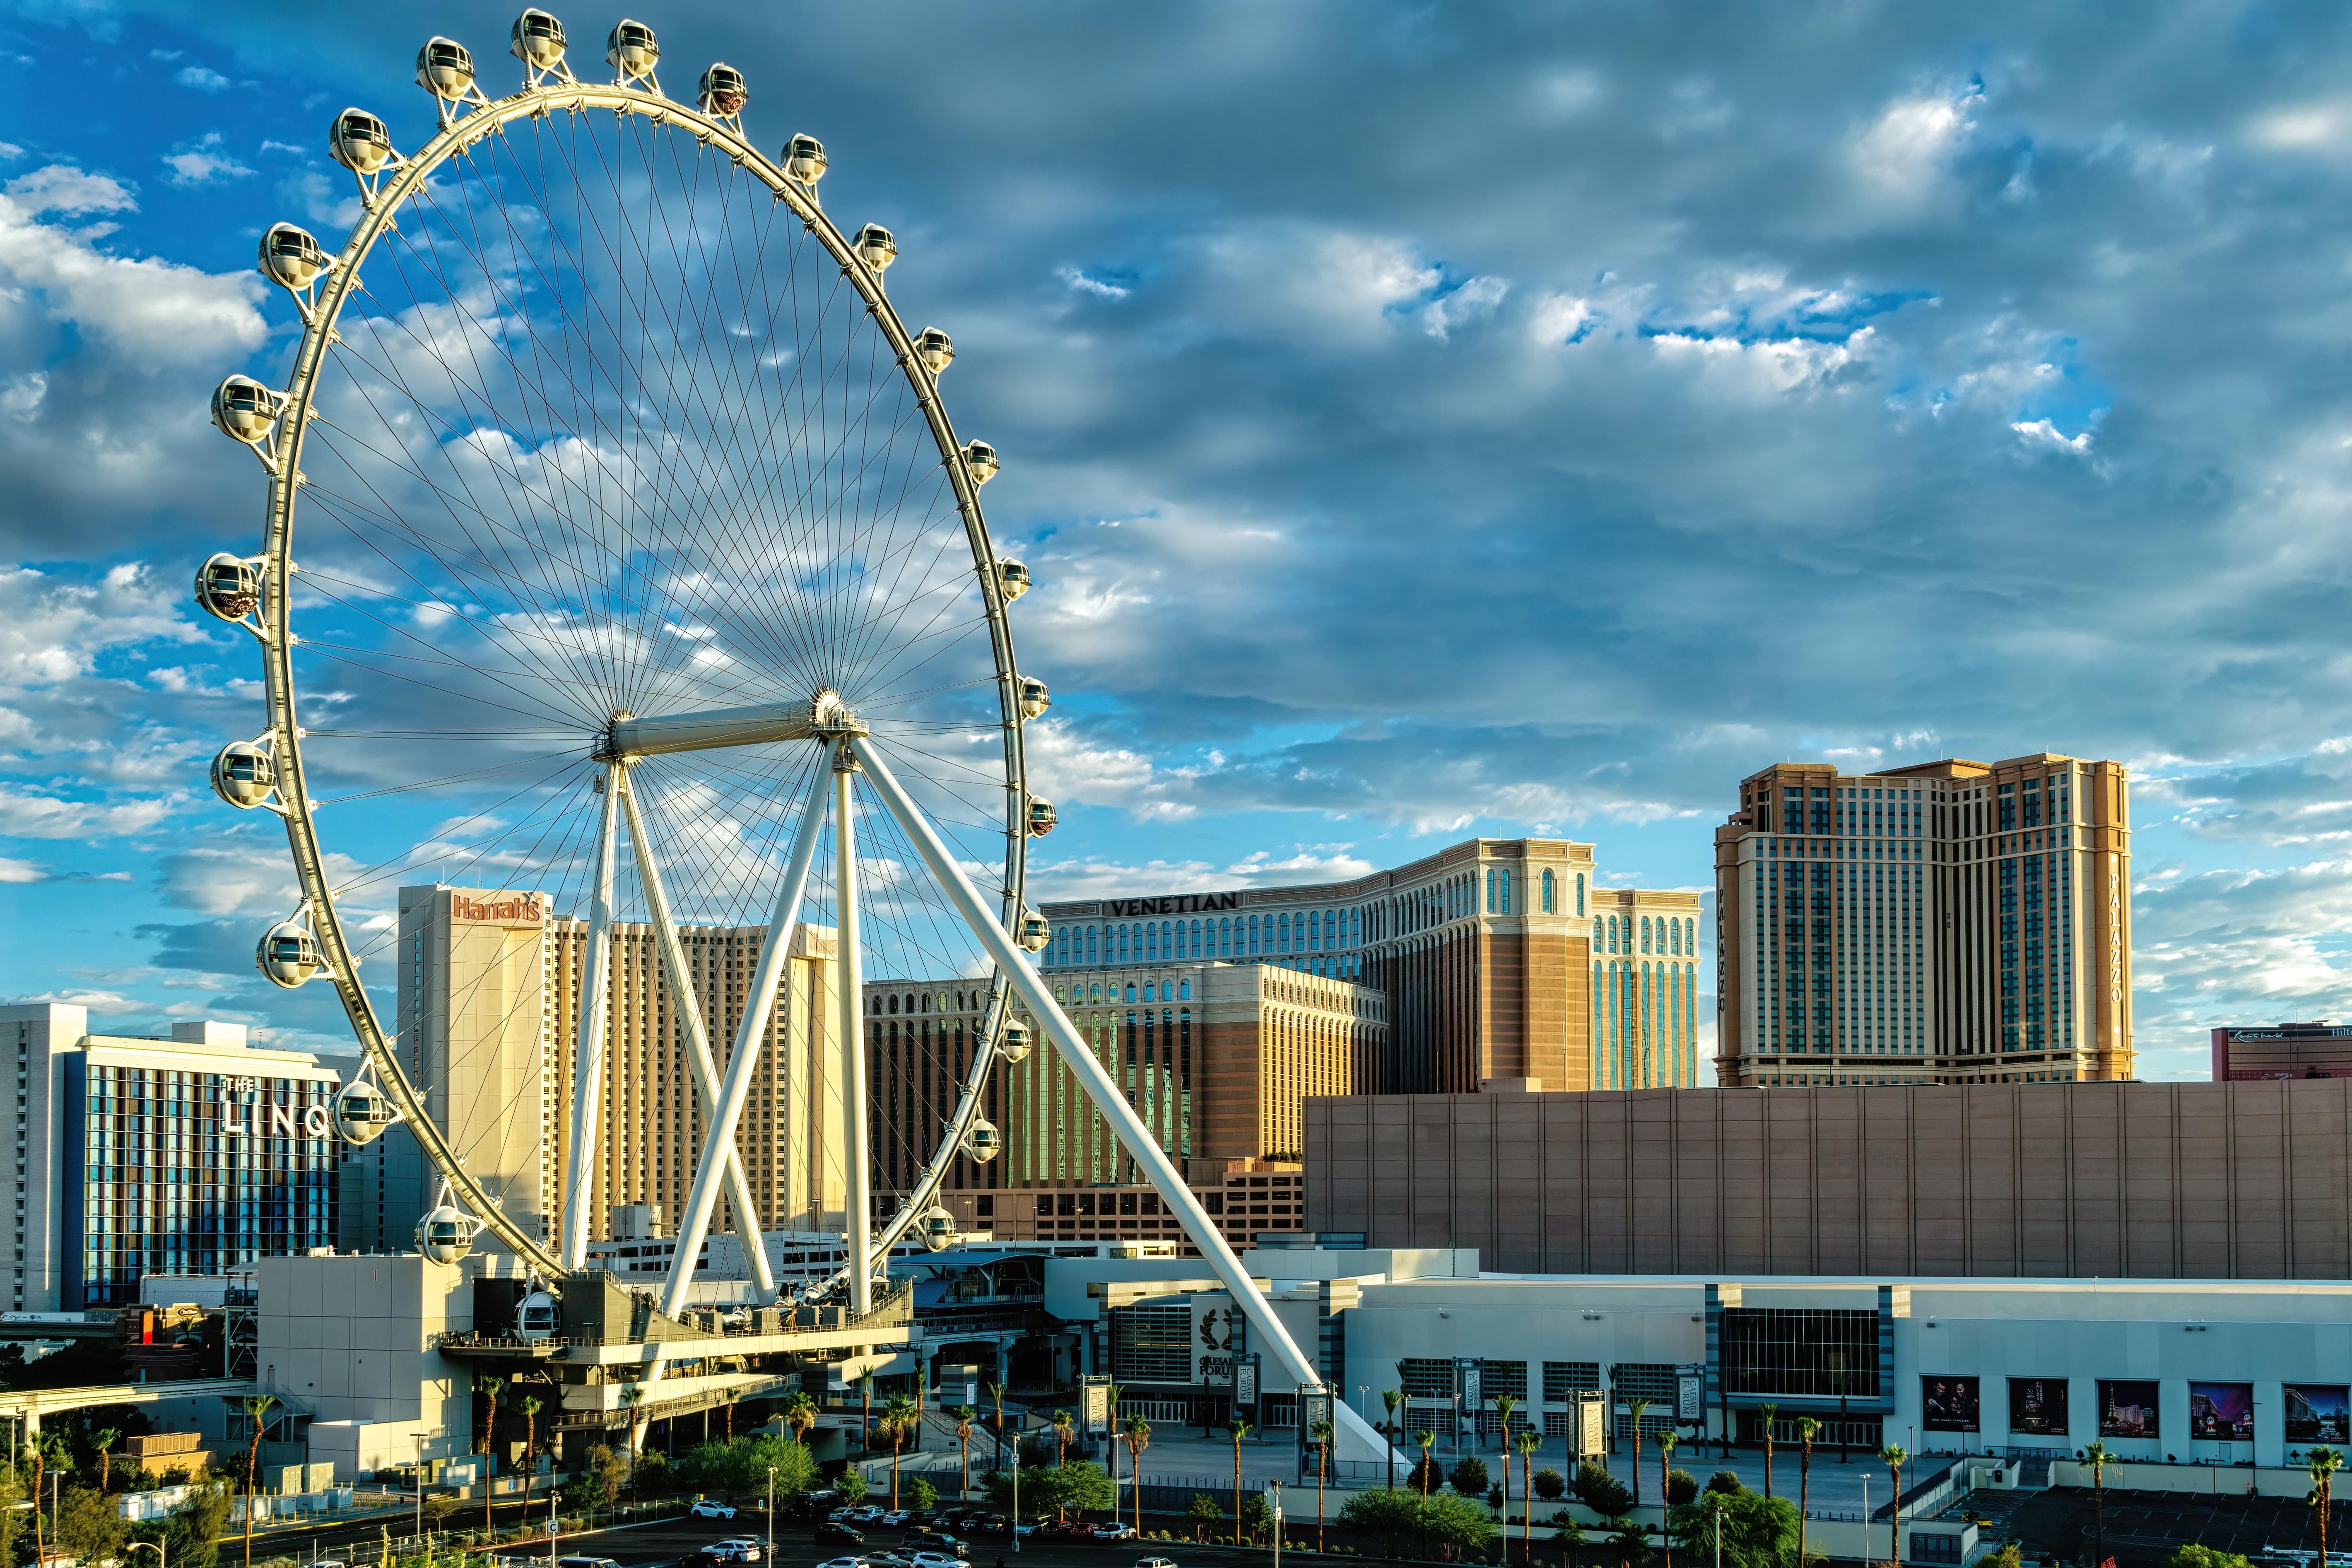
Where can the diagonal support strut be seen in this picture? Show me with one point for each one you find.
(698, 1049)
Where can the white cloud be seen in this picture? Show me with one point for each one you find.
(2302, 128)
(202, 78)
(1473, 303)
(1901, 159)
(13, 870)
(26, 814)
(148, 306)
(1084, 284)
(2042, 435)
(203, 162)
(62, 188)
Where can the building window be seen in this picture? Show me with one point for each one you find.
(1547, 892)
(1579, 894)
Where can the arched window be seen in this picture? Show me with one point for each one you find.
(894, 1006)
(1579, 893)
(1130, 991)
(1183, 990)
(1225, 938)
(1282, 933)
(1547, 892)
(1646, 933)
(1252, 933)
(1097, 991)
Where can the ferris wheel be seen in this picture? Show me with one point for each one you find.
(620, 553)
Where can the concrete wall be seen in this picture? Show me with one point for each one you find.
(2118, 1180)
(350, 1339)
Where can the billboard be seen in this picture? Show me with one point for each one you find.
(2127, 1408)
(2037, 1406)
(1947, 1404)
(2315, 1412)
(2221, 1412)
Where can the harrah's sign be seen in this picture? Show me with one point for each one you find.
(1175, 904)
(524, 907)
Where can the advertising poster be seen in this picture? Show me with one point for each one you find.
(2315, 1412)
(2037, 1406)
(1947, 1403)
(2127, 1407)
(2221, 1412)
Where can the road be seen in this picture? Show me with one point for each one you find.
(668, 1542)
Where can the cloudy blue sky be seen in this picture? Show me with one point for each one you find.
(1421, 421)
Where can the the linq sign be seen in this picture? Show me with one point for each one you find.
(1175, 904)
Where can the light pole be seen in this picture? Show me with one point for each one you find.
(1276, 1488)
(772, 1513)
(551, 1522)
(162, 1551)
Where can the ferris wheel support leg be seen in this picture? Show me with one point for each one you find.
(588, 1036)
(858, 1216)
(1093, 1077)
(697, 1047)
(749, 1035)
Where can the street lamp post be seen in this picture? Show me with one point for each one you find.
(772, 1513)
(1276, 1488)
(163, 1552)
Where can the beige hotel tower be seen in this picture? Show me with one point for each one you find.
(489, 997)
(1949, 922)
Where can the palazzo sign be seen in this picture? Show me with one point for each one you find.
(1174, 904)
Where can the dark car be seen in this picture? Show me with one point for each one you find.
(831, 1534)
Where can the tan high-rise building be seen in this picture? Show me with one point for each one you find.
(1484, 951)
(1645, 1004)
(489, 995)
(1949, 922)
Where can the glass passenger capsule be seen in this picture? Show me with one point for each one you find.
(631, 49)
(228, 586)
(980, 457)
(445, 68)
(362, 1112)
(245, 410)
(360, 141)
(287, 954)
(290, 257)
(1040, 819)
(982, 1141)
(1034, 698)
(938, 1227)
(804, 159)
(243, 774)
(935, 349)
(537, 40)
(876, 247)
(724, 90)
(1013, 1043)
(1012, 579)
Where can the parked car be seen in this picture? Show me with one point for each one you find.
(1155, 1562)
(842, 1563)
(710, 1508)
(738, 1548)
(585, 1562)
(831, 1533)
(896, 1518)
(939, 1560)
(1113, 1531)
(866, 1513)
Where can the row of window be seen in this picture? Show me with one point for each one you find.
(1616, 933)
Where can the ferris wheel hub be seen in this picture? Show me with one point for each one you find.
(824, 716)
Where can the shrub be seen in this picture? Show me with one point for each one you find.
(1727, 1482)
(1681, 1486)
(1469, 1476)
(1598, 1490)
(1425, 1476)
(1551, 1485)
(2189, 1556)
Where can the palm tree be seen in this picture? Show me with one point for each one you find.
(103, 1441)
(726, 1399)
(1424, 1439)
(1320, 1435)
(800, 1414)
(40, 1451)
(1393, 1428)
(1139, 1438)
(2325, 1463)
(1237, 1430)
(1893, 1455)
(492, 1386)
(1807, 1430)
(530, 1405)
(633, 1396)
(1065, 1432)
(1637, 1407)
(900, 1414)
(995, 1390)
(1766, 1412)
(257, 1406)
(963, 1414)
(1504, 1405)
(866, 1410)
(2098, 1456)
(1110, 1401)
(1529, 1441)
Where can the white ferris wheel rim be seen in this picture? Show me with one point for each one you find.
(336, 952)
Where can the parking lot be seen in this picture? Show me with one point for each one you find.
(2143, 1528)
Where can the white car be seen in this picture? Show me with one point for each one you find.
(1155, 1562)
(842, 1563)
(894, 1518)
(940, 1560)
(738, 1548)
(710, 1508)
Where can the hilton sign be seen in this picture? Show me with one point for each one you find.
(1175, 904)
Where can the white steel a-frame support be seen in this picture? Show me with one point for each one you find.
(749, 1035)
(588, 1035)
(1103, 1092)
(850, 994)
(688, 1011)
